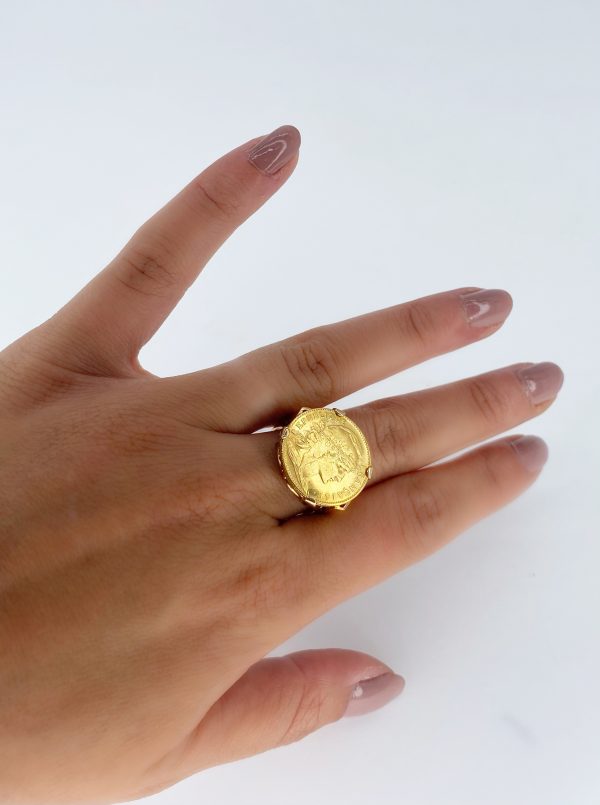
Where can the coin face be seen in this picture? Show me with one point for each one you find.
(325, 457)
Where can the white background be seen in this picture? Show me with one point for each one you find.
(444, 144)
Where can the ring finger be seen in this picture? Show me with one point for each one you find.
(413, 430)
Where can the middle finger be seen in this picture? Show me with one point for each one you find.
(409, 431)
(323, 364)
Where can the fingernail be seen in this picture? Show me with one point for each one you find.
(541, 381)
(486, 308)
(275, 150)
(371, 694)
(531, 451)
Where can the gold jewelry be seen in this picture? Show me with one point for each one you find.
(324, 457)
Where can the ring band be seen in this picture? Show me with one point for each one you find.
(324, 457)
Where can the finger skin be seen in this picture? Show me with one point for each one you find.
(401, 521)
(323, 364)
(280, 700)
(102, 329)
(409, 431)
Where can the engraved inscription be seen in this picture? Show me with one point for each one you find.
(325, 456)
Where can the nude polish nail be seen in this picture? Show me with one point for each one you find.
(371, 694)
(487, 307)
(531, 451)
(541, 381)
(275, 150)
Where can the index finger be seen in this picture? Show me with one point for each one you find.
(104, 326)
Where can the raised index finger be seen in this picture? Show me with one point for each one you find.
(102, 329)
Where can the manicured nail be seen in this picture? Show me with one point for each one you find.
(541, 381)
(275, 150)
(486, 308)
(371, 694)
(531, 451)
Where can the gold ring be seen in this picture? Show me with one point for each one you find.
(324, 457)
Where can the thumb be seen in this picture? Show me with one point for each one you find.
(282, 699)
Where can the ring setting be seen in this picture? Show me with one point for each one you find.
(324, 458)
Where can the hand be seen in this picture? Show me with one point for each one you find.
(150, 552)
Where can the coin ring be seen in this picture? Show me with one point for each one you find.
(324, 457)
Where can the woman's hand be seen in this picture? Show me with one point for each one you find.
(150, 555)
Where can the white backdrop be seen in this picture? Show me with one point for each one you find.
(444, 144)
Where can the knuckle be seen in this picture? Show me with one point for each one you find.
(312, 365)
(219, 200)
(418, 322)
(145, 438)
(395, 431)
(134, 430)
(492, 470)
(29, 378)
(133, 433)
(423, 508)
(490, 402)
(306, 710)
(148, 270)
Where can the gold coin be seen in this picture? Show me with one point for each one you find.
(324, 457)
